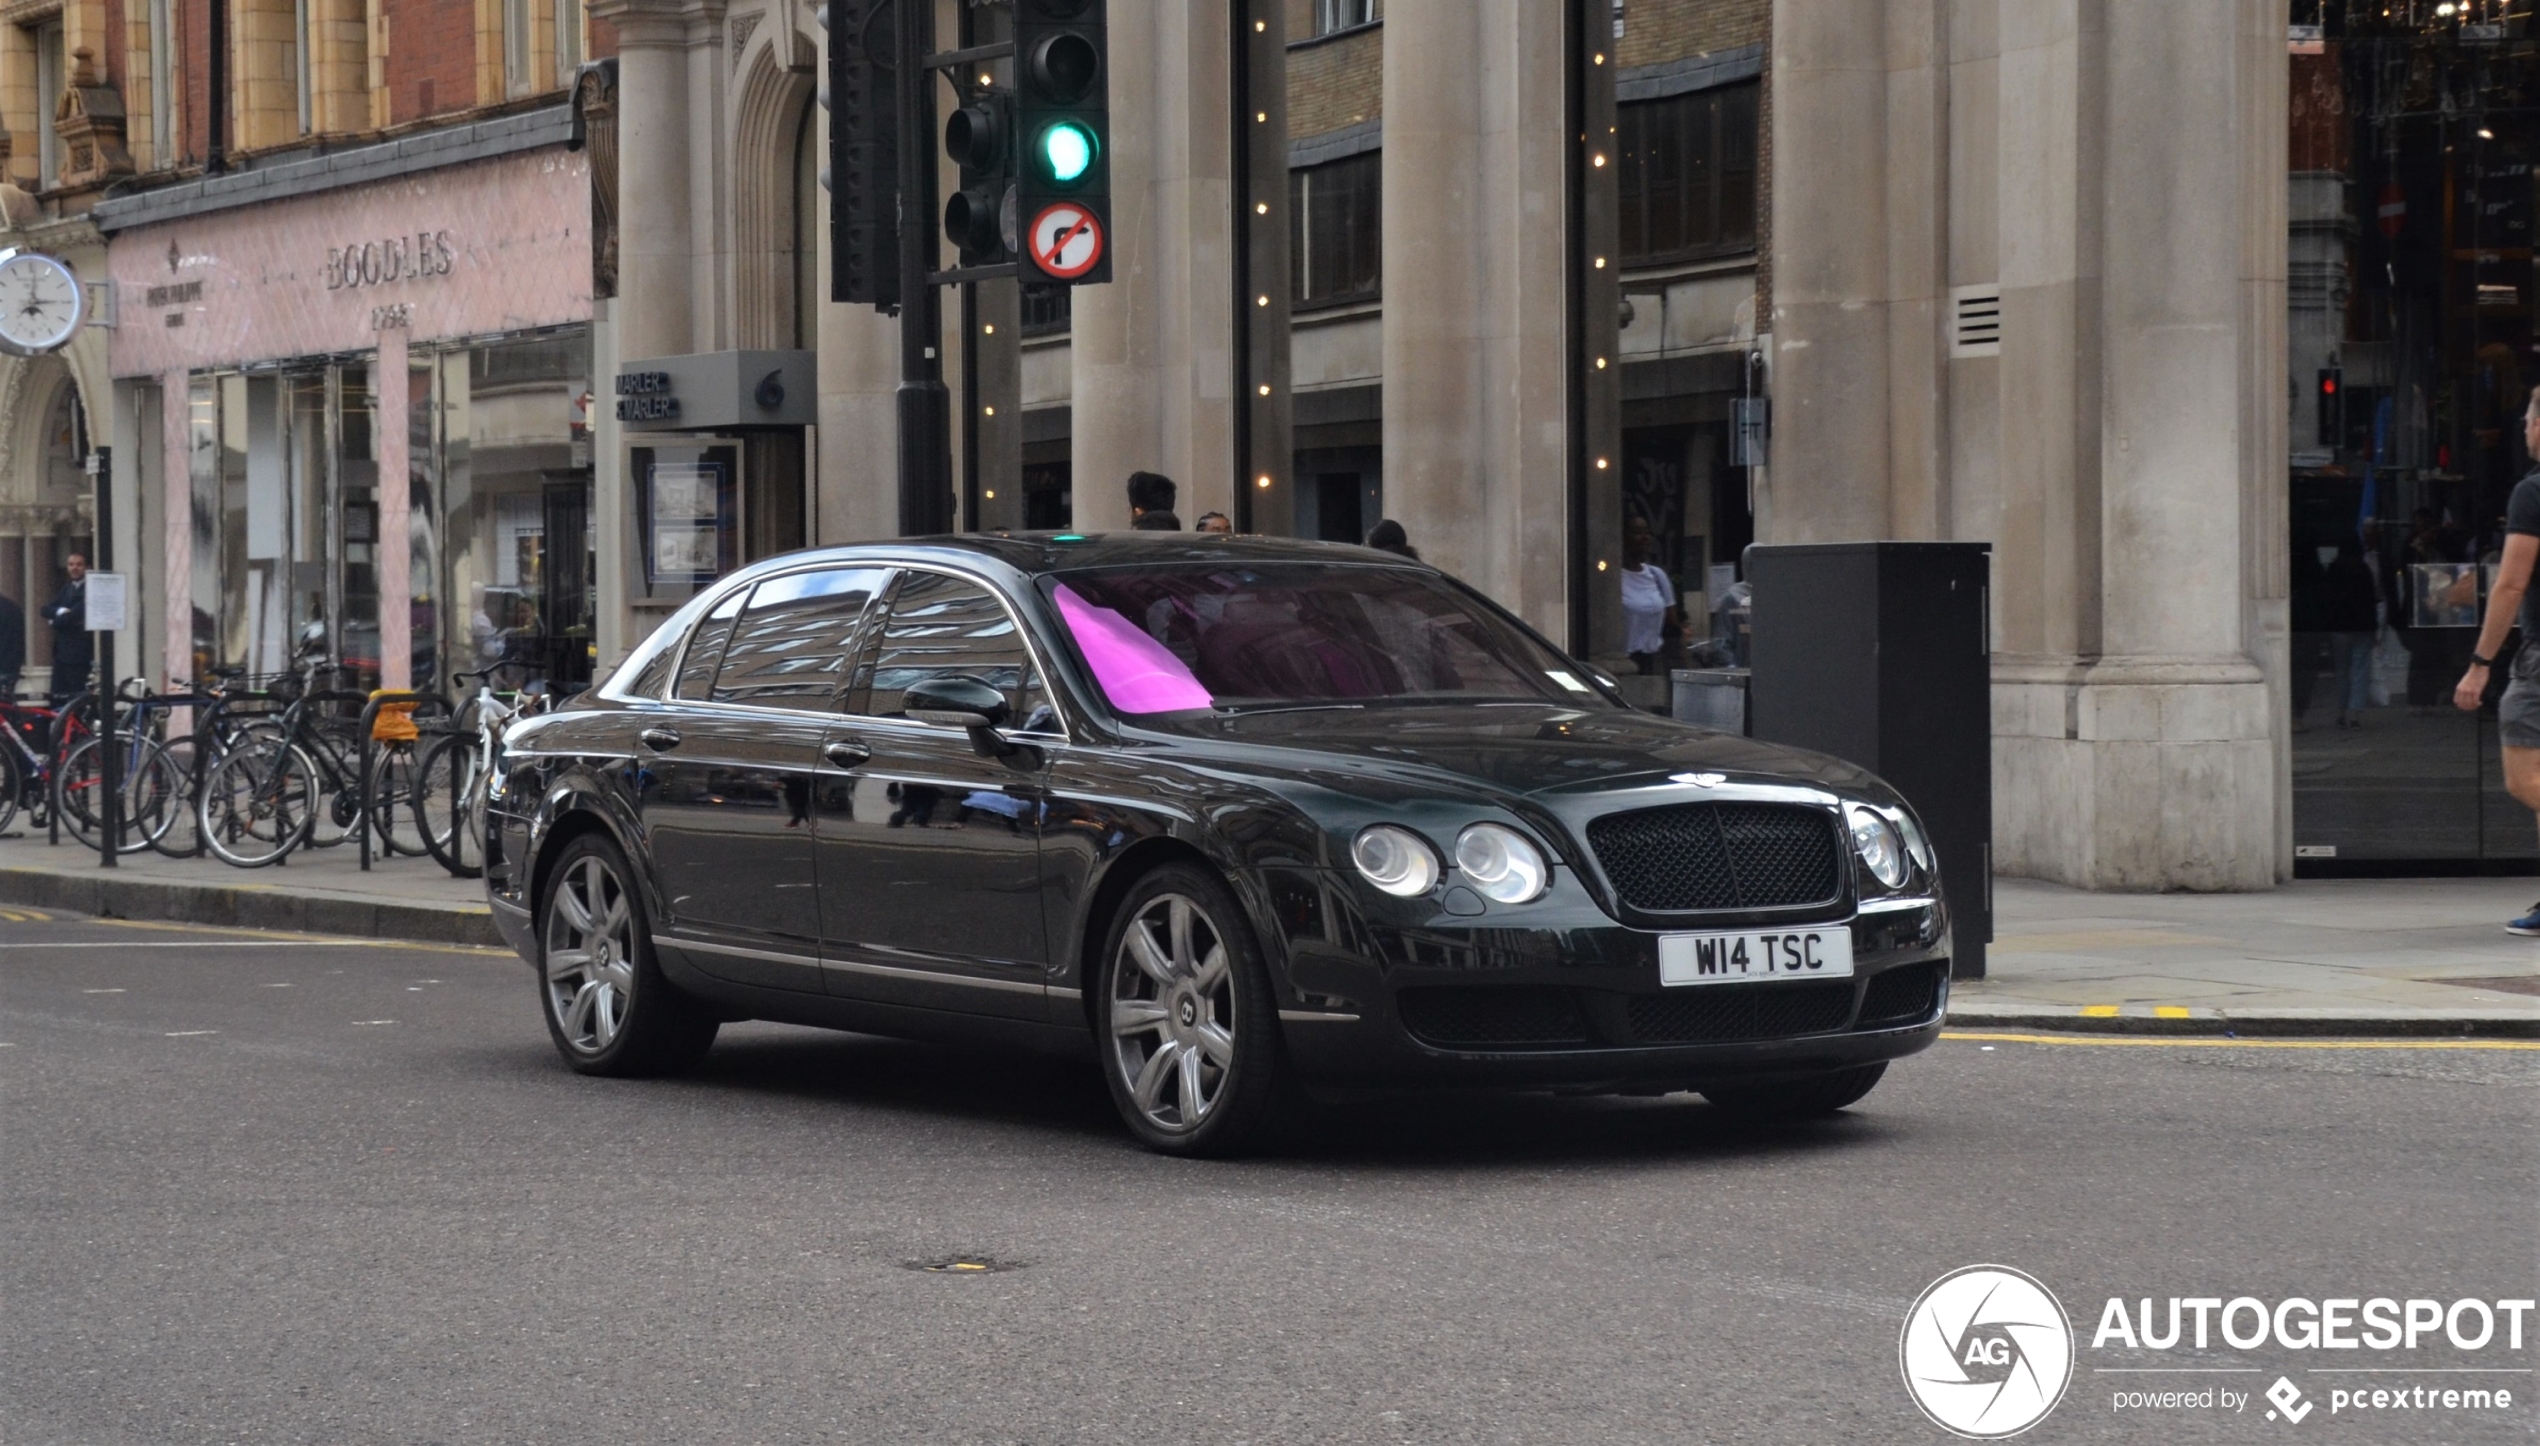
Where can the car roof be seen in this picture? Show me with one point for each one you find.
(1037, 553)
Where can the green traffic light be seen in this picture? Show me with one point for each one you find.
(1068, 150)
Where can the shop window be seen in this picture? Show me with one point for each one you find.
(1336, 236)
(1687, 175)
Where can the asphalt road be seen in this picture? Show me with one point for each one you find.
(271, 1189)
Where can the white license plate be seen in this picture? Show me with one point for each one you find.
(1819, 953)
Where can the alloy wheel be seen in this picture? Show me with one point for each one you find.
(1172, 1016)
(590, 959)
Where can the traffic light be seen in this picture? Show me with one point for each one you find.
(864, 153)
(1062, 138)
(979, 218)
(2332, 406)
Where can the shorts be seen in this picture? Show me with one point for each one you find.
(2518, 711)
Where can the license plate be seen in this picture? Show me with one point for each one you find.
(1822, 953)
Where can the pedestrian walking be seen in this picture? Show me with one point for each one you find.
(1387, 536)
(1151, 497)
(1650, 606)
(68, 613)
(2354, 619)
(12, 645)
(2509, 601)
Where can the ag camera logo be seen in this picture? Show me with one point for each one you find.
(1987, 1352)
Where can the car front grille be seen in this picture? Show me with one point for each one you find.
(1902, 996)
(1697, 856)
(1736, 1013)
(1510, 1016)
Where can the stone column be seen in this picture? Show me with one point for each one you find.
(1475, 431)
(655, 226)
(856, 491)
(391, 417)
(176, 523)
(1153, 349)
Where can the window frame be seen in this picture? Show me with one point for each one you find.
(887, 581)
(1328, 19)
(1301, 231)
(859, 691)
(1713, 96)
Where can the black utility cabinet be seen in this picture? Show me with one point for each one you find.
(1876, 652)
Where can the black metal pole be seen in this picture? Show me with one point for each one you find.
(1239, 257)
(109, 770)
(925, 405)
(216, 72)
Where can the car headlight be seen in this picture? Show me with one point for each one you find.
(1395, 860)
(1880, 847)
(1502, 863)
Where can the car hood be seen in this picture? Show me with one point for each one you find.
(1511, 749)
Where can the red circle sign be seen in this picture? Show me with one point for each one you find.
(1066, 240)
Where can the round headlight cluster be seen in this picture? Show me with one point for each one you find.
(1880, 847)
(1395, 860)
(1501, 863)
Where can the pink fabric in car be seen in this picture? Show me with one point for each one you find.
(1137, 673)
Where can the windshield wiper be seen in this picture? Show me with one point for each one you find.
(1247, 709)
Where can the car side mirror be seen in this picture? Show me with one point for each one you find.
(964, 703)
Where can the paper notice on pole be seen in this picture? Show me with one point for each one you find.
(105, 597)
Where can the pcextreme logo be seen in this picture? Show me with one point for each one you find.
(1987, 1351)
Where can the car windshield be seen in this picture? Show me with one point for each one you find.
(1230, 637)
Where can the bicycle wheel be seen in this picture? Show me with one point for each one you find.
(257, 805)
(182, 839)
(149, 787)
(449, 807)
(388, 802)
(12, 785)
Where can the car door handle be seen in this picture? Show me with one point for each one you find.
(846, 753)
(660, 738)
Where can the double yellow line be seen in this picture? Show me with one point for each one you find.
(2207, 1042)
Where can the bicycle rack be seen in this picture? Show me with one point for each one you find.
(370, 715)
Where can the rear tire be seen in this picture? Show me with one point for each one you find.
(256, 804)
(12, 784)
(1806, 1097)
(607, 1006)
(449, 806)
(1189, 1027)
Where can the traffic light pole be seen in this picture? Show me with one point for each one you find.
(925, 404)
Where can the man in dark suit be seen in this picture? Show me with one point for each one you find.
(68, 613)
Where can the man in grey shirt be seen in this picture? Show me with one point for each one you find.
(2509, 601)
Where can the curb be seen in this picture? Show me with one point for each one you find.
(249, 907)
(2257, 1024)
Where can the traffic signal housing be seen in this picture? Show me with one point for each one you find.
(864, 153)
(2331, 396)
(979, 218)
(1062, 141)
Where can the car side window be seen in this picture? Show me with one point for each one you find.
(795, 639)
(705, 646)
(948, 627)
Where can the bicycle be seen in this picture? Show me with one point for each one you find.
(271, 794)
(450, 784)
(149, 783)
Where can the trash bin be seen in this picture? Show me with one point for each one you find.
(1710, 698)
(1876, 652)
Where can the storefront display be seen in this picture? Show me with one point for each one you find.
(2412, 355)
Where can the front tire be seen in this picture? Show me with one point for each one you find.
(1188, 1024)
(1798, 1099)
(608, 1008)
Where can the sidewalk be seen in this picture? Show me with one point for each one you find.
(2317, 956)
(317, 891)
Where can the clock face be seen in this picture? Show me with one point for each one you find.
(41, 305)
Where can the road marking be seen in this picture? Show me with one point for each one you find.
(273, 986)
(26, 916)
(189, 944)
(284, 936)
(374, 1021)
(2169, 1011)
(101, 991)
(189, 1033)
(2175, 1043)
(2099, 1011)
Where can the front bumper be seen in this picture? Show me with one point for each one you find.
(1573, 999)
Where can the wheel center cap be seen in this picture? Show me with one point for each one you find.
(603, 953)
(1189, 1011)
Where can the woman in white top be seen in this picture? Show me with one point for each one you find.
(1649, 604)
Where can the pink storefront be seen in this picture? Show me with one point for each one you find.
(369, 379)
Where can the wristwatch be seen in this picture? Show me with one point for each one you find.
(2476, 661)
